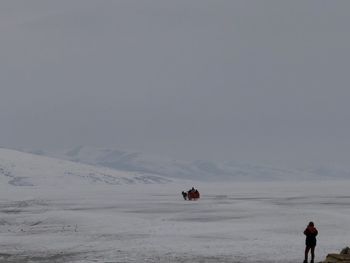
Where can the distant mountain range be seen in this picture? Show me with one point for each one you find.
(89, 165)
(135, 162)
(26, 169)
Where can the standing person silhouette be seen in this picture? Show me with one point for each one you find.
(310, 242)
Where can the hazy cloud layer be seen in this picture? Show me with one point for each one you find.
(220, 80)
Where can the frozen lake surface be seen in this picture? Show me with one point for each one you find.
(232, 222)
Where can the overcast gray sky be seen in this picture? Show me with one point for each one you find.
(190, 79)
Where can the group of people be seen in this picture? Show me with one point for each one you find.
(186, 195)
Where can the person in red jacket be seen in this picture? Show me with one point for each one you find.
(310, 242)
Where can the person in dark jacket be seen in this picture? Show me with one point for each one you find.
(310, 242)
(184, 195)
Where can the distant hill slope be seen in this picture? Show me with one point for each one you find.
(196, 170)
(25, 169)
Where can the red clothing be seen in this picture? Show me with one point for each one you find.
(310, 233)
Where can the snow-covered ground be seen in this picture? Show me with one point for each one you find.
(84, 220)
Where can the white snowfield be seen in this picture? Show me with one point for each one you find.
(22, 169)
(58, 211)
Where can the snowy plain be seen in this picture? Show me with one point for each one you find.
(62, 217)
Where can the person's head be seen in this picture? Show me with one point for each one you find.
(311, 224)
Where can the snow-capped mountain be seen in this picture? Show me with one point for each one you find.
(196, 170)
(25, 169)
